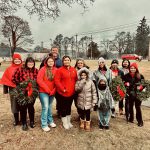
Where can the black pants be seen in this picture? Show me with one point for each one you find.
(75, 102)
(137, 102)
(65, 104)
(23, 112)
(58, 103)
(121, 104)
(85, 114)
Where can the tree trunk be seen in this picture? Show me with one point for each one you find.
(13, 42)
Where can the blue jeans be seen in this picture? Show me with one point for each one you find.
(46, 114)
(104, 117)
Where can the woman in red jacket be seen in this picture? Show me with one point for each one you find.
(9, 85)
(47, 90)
(65, 80)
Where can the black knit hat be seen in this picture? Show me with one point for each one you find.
(114, 61)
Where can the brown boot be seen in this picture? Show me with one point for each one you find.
(82, 122)
(87, 126)
(120, 111)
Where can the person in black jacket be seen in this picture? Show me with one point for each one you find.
(132, 83)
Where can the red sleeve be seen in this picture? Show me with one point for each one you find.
(57, 80)
(16, 76)
(41, 82)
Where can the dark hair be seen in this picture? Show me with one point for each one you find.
(49, 57)
(127, 61)
(54, 47)
(29, 59)
(64, 57)
(104, 68)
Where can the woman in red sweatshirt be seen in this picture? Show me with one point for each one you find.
(47, 91)
(9, 85)
(65, 80)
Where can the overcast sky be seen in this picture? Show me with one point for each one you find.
(100, 15)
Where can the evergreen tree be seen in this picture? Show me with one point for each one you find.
(142, 40)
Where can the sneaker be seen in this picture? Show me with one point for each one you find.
(107, 127)
(140, 124)
(24, 127)
(46, 129)
(113, 115)
(53, 125)
(32, 125)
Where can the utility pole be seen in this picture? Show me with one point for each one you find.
(91, 45)
(76, 46)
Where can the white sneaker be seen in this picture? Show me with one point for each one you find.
(53, 125)
(46, 129)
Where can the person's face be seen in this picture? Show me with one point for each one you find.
(80, 64)
(83, 76)
(30, 64)
(102, 82)
(17, 61)
(54, 50)
(55, 55)
(66, 62)
(50, 62)
(132, 69)
(114, 66)
(125, 63)
(101, 64)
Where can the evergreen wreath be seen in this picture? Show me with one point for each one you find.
(25, 93)
(145, 93)
(117, 88)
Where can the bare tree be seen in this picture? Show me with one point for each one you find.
(17, 31)
(42, 8)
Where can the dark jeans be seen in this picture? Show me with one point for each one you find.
(85, 114)
(58, 103)
(23, 112)
(75, 102)
(121, 104)
(65, 104)
(137, 102)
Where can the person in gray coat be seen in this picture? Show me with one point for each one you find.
(87, 97)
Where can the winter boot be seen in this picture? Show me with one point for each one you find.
(69, 121)
(16, 119)
(65, 122)
(82, 123)
(87, 126)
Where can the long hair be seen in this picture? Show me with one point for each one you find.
(29, 59)
(80, 59)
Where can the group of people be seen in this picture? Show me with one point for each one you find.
(89, 90)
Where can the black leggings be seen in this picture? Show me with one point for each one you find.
(65, 104)
(85, 114)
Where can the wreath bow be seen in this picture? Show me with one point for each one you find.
(29, 89)
(121, 93)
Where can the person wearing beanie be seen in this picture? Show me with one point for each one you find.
(8, 85)
(21, 75)
(87, 97)
(102, 70)
(132, 83)
(117, 72)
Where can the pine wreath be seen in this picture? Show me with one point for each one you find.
(117, 89)
(145, 93)
(26, 92)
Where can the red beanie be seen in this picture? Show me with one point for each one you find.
(17, 56)
(134, 65)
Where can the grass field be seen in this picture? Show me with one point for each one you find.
(121, 136)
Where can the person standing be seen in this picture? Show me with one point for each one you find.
(65, 80)
(117, 72)
(86, 99)
(8, 85)
(21, 75)
(45, 80)
(132, 82)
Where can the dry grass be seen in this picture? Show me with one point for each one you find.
(121, 136)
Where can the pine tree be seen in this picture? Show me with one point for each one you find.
(142, 40)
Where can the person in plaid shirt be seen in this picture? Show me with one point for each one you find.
(24, 74)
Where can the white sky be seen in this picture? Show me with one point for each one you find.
(102, 14)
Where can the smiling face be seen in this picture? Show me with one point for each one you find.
(83, 75)
(114, 66)
(125, 64)
(101, 64)
(80, 64)
(133, 69)
(50, 62)
(66, 62)
(17, 61)
(30, 64)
